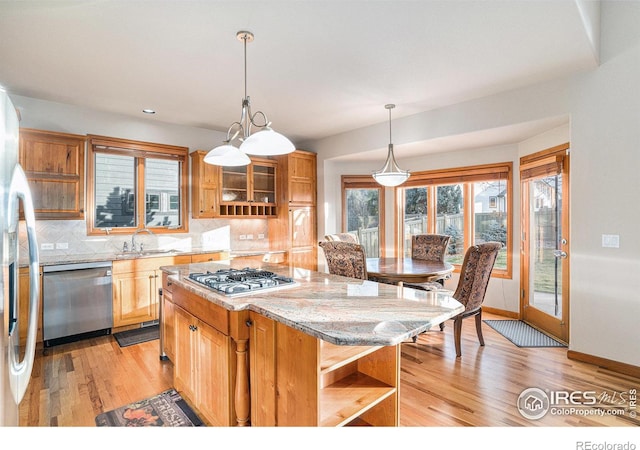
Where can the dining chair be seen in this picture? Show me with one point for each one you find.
(430, 247)
(474, 277)
(343, 237)
(472, 286)
(345, 258)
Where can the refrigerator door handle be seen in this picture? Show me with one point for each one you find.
(21, 370)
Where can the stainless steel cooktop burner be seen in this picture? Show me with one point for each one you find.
(238, 281)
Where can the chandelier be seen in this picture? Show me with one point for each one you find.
(263, 142)
(390, 174)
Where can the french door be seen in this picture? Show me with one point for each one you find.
(545, 252)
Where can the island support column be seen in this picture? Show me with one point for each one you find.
(240, 334)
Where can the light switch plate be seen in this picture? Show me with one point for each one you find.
(611, 240)
(242, 237)
(62, 245)
(46, 246)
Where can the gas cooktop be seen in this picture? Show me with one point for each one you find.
(233, 282)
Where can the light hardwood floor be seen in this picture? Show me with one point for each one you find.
(73, 383)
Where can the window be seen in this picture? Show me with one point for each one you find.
(133, 185)
(363, 212)
(471, 204)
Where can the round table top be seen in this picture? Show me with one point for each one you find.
(407, 269)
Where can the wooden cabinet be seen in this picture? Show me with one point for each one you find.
(54, 165)
(296, 227)
(135, 288)
(204, 187)
(204, 360)
(208, 257)
(301, 178)
(299, 380)
(23, 313)
(243, 191)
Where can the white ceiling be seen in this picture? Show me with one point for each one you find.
(316, 68)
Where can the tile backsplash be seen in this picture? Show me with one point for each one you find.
(69, 237)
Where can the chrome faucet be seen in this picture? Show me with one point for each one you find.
(133, 238)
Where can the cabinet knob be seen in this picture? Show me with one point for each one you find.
(249, 323)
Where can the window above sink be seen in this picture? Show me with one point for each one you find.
(135, 185)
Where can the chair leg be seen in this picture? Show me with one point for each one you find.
(479, 327)
(457, 331)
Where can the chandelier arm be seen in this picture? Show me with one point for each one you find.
(266, 122)
(238, 128)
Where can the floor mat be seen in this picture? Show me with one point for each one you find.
(167, 409)
(523, 335)
(137, 336)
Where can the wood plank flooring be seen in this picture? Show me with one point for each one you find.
(72, 383)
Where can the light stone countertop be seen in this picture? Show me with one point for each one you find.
(339, 310)
(50, 260)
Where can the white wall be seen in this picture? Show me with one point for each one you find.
(604, 132)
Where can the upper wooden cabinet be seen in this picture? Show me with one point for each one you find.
(233, 191)
(54, 165)
(301, 179)
(296, 230)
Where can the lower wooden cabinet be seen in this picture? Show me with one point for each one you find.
(24, 292)
(135, 288)
(204, 356)
(299, 380)
(168, 326)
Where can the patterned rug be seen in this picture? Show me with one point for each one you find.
(167, 409)
(137, 335)
(523, 335)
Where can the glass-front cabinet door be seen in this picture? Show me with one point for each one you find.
(235, 184)
(249, 190)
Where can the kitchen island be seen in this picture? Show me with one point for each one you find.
(323, 351)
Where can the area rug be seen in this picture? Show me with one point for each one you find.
(167, 409)
(522, 334)
(137, 336)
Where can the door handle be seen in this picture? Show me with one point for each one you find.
(559, 253)
(19, 189)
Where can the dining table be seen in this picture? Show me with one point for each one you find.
(400, 270)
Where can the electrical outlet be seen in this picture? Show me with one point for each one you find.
(249, 236)
(243, 237)
(62, 245)
(611, 240)
(46, 246)
(261, 236)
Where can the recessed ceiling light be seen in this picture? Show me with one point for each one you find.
(148, 111)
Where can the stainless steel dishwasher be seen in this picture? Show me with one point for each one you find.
(76, 301)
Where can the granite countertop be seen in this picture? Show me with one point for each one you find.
(50, 260)
(339, 310)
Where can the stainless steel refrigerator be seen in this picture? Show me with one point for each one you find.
(15, 363)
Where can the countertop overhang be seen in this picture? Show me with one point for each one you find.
(336, 309)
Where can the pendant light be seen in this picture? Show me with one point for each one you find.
(390, 174)
(264, 142)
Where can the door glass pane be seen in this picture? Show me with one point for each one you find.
(363, 218)
(490, 216)
(545, 231)
(115, 191)
(450, 220)
(264, 184)
(234, 184)
(162, 192)
(415, 215)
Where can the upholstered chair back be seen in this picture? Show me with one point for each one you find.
(432, 247)
(345, 258)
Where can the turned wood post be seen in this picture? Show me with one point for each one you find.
(242, 400)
